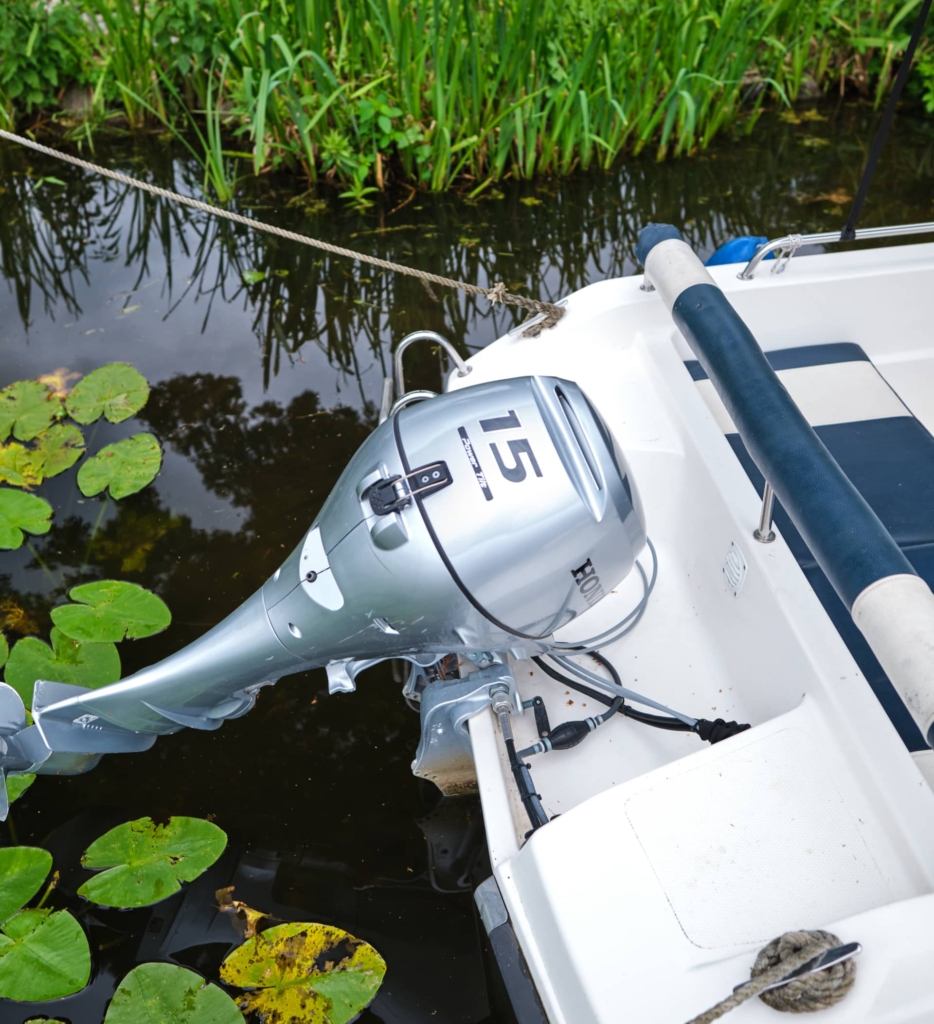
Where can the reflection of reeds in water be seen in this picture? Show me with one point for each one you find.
(544, 245)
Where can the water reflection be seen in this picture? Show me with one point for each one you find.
(544, 241)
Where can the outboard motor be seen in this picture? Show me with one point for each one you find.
(476, 523)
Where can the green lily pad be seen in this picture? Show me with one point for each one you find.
(146, 862)
(21, 512)
(16, 785)
(117, 390)
(44, 954)
(305, 972)
(21, 466)
(168, 994)
(110, 610)
(4, 650)
(66, 661)
(27, 408)
(23, 869)
(60, 447)
(126, 467)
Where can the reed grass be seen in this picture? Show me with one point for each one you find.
(433, 93)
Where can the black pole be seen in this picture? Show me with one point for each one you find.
(878, 143)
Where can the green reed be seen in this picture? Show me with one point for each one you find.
(429, 93)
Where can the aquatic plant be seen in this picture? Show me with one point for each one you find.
(44, 954)
(81, 650)
(141, 863)
(303, 971)
(365, 91)
(290, 971)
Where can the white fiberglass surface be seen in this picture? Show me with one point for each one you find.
(699, 648)
(817, 816)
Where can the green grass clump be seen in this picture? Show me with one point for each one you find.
(430, 93)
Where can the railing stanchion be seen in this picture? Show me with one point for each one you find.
(764, 533)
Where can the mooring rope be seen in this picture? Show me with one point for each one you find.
(804, 994)
(498, 293)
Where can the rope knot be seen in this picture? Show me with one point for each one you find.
(817, 990)
(497, 293)
(810, 992)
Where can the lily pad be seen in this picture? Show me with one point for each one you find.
(146, 862)
(4, 650)
(162, 993)
(117, 390)
(27, 408)
(305, 972)
(109, 610)
(23, 869)
(21, 513)
(60, 447)
(66, 661)
(21, 466)
(16, 785)
(125, 467)
(44, 954)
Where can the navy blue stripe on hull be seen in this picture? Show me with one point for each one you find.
(891, 462)
(793, 358)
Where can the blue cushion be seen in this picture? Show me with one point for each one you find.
(792, 358)
(891, 462)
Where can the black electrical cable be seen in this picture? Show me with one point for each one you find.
(523, 777)
(657, 721)
(709, 731)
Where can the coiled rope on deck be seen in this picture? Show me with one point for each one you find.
(551, 313)
(805, 994)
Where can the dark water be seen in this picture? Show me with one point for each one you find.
(261, 392)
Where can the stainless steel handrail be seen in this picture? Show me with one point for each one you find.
(462, 368)
(386, 406)
(791, 243)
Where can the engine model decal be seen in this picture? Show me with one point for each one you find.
(475, 464)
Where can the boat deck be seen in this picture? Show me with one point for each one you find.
(816, 817)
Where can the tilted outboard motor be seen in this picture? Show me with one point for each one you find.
(477, 522)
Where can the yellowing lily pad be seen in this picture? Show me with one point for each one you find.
(146, 862)
(117, 390)
(125, 467)
(66, 661)
(168, 994)
(312, 973)
(109, 610)
(27, 408)
(21, 513)
(21, 466)
(4, 650)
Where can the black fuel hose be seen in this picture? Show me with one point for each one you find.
(657, 721)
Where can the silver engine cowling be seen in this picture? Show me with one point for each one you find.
(479, 521)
